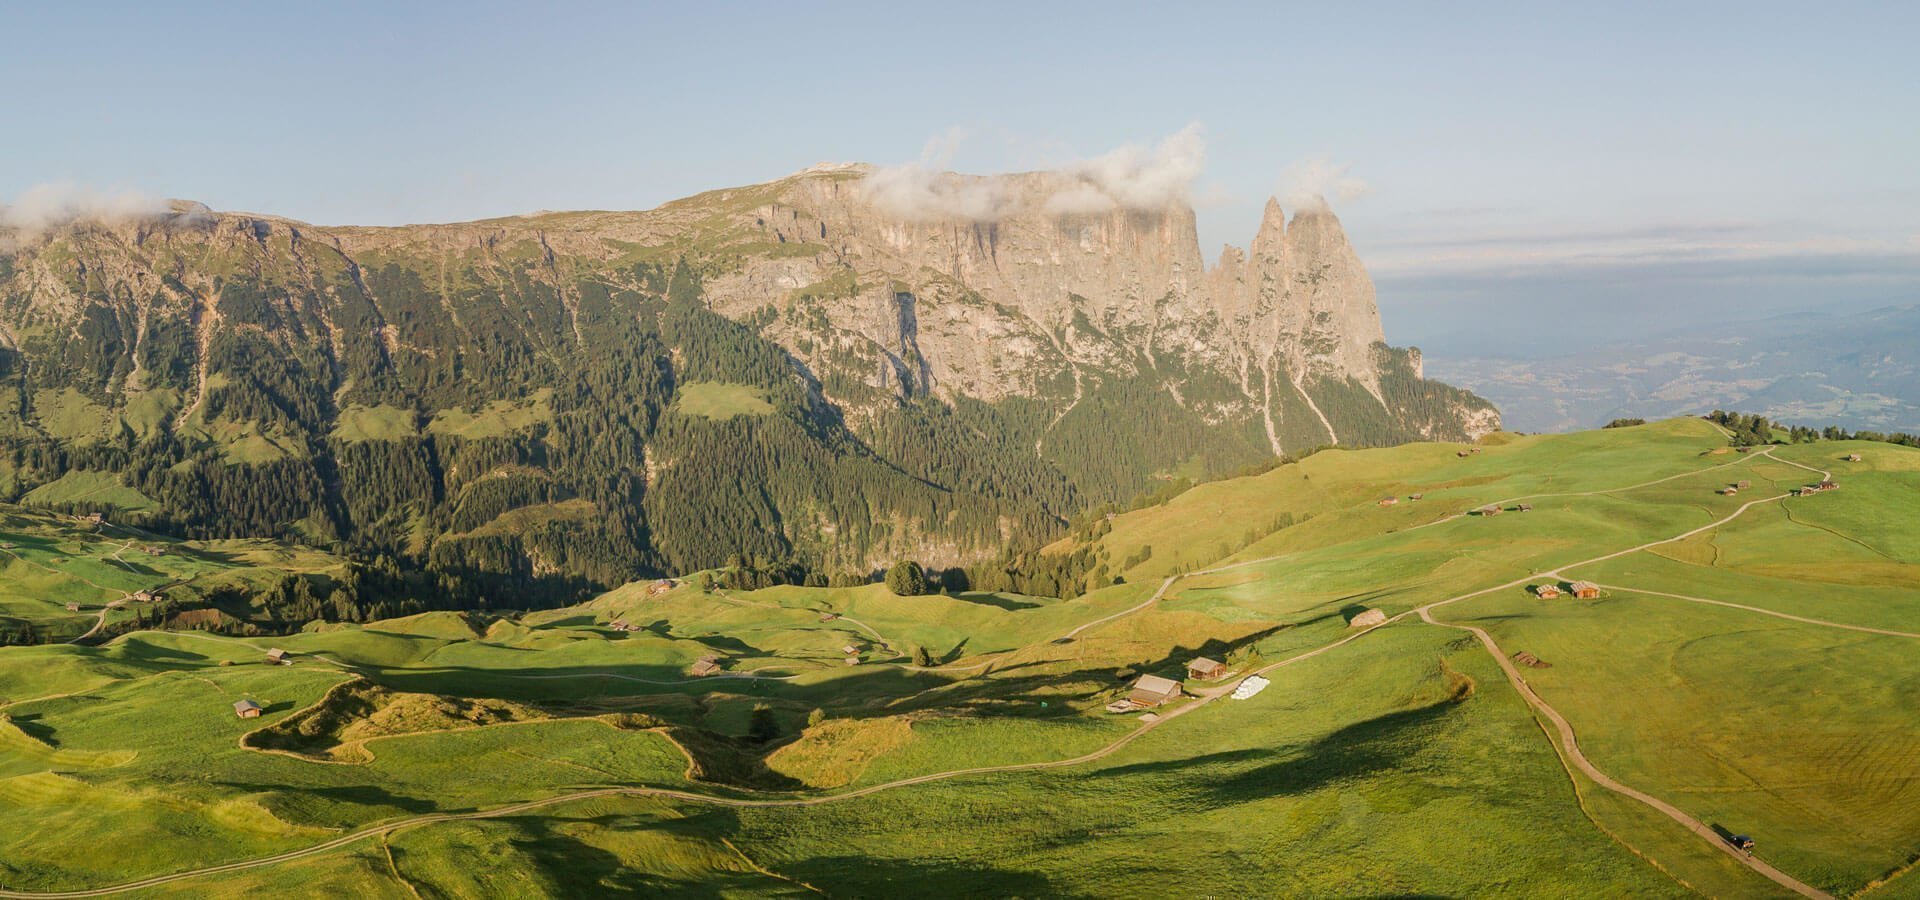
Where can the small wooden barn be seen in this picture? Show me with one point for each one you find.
(704, 666)
(1524, 507)
(1152, 690)
(1206, 669)
(1585, 590)
(1491, 509)
(73, 607)
(1853, 457)
(1367, 619)
(1415, 496)
(1743, 484)
(277, 656)
(1546, 591)
(246, 709)
(1389, 501)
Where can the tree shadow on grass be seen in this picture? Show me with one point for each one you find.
(568, 622)
(147, 651)
(849, 875)
(984, 599)
(30, 725)
(1356, 751)
(360, 795)
(959, 650)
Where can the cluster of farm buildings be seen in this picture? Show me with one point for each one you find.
(1582, 590)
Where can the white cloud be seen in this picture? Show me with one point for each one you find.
(51, 205)
(1133, 176)
(1308, 183)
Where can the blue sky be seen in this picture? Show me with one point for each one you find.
(1529, 170)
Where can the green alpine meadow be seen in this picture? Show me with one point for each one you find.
(1743, 662)
(487, 451)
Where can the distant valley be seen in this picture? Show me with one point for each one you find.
(1861, 372)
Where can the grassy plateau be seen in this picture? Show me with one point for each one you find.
(1748, 667)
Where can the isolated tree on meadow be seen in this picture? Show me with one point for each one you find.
(907, 579)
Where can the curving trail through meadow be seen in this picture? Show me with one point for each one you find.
(1567, 745)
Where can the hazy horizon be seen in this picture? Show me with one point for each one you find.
(1506, 176)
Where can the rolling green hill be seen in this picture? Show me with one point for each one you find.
(1746, 668)
(67, 578)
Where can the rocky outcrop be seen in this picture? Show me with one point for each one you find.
(979, 357)
(1026, 296)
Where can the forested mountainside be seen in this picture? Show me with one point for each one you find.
(791, 373)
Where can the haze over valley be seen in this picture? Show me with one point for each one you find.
(754, 450)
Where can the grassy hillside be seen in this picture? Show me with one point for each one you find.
(50, 562)
(1748, 662)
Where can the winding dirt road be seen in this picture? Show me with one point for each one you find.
(1567, 744)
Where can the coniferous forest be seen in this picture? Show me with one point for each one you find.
(501, 425)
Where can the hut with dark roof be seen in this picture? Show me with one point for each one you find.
(1206, 669)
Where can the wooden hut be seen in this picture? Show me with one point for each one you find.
(1206, 669)
(1729, 490)
(1743, 484)
(1524, 507)
(277, 657)
(1491, 509)
(1367, 619)
(1585, 590)
(73, 607)
(1546, 591)
(1152, 690)
(704, 666)
(1389, 501)
(1853, 457)
(1415, 496)
(246, 709)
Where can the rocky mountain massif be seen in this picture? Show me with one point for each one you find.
(808, 372)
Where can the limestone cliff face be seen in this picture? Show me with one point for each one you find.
(955, 369)
(999, 306)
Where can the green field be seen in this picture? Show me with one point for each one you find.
(718, 400)
(1750, 662)
(49, 560)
